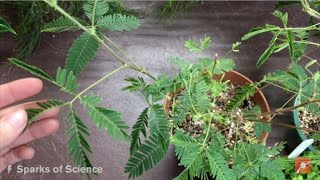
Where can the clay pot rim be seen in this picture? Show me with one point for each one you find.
(263, 138)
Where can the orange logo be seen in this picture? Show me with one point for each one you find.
(303, 165)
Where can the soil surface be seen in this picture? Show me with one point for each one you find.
(233, 132)
(310, 121)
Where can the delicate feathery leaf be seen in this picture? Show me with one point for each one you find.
(66, 80)
(180, 63)
(5, 26)
(259, 30)
(195, 47)
(271, 170)
(220, 66)
(147, 155)
(139, 126)
(199, 96)
(32, 69)
(260, 127)
(136, 84)
(90, 100)
(181, 108)
(35, 113)
(82, 51)
(267, 53)
(158, 120)
(118, 22)
(223, 66)
(219, 166)
(95, 9)
(242, 94)
(78, 147)
(291, 44)
(62, 24)
(111, 121)
(191, 159)
(286, 80)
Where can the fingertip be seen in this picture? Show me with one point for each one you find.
(52, 126)
(25, 152)
(36, 83)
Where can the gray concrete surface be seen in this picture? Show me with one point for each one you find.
(150, 46)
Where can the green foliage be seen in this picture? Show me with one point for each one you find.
(118, 22)
(219, 166)
(66, 80)
(195, 47)
(173, 8)
(242, 94)
(5, 26)
(62, 24)
(139, 126)
(82, 51)
(253, 161)
(95, 9)
(78, 146)
(111, 121)
(147, 155)
(35, 113)
(32, 69)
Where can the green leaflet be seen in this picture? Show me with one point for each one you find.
(259, 30)
(156, 145)
(66, 80)
(245, 92)
(291, 43)
(260, 127)
(82, 51)
(266, 54)
(147, 156)
(195, 47)
(62, 24)
(5, 27)
(32, 69)
(110, 121)
(94, 9)
(219, 166)
(35, 113)
(90, 100)
(139, 126)
(118, 22)
(78, 146)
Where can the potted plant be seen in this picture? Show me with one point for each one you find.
(215, 118)
(304, 87)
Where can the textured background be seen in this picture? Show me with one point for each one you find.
(150, 46)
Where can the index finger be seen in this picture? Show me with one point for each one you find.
(19, 89)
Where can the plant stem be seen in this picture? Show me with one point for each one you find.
(93, 33)
(282, 110)
(97, 82)
(207, 134)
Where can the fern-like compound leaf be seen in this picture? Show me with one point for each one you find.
(197, 47)
(32, 69)
(66, 80)
(78, 147)
(82, 51)
(94, 9)
(62, 24)
(34, 113)
(147, 156)
(245, 92)
(219, 166)
(90, 100)
(111, 121)
(139, 126)
(118, 22)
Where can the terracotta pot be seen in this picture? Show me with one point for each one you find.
(237, 79)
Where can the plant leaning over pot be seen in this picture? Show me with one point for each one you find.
(83, 50)
(217, 120)
(306, 88)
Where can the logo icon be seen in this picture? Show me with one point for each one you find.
(9, 168)
(303, 165)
